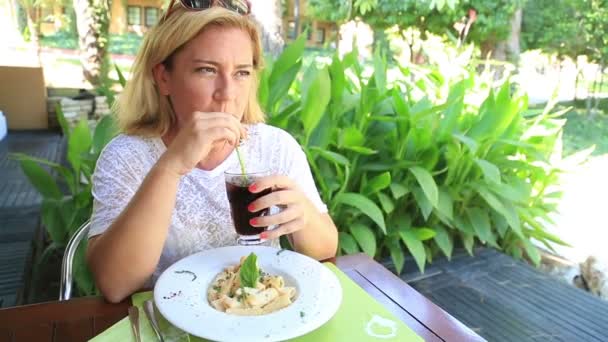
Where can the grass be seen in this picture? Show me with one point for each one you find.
(583, 130)
(124, 44)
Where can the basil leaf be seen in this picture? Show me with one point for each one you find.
(249, 272)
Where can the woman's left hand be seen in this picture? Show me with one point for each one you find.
(297, 210)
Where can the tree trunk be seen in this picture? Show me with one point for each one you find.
(93, 22)
(33, 24)
(578, 72)
(513, 49)
(598, 88)
(268, 14)
(380, 41)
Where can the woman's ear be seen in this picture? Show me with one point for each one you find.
(161, 78)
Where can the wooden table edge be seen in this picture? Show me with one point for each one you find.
(444, 325)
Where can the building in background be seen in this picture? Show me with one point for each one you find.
(137, 16)
(296, 21)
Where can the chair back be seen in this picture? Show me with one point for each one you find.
(67, 276)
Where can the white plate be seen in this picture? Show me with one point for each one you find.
(182, 298)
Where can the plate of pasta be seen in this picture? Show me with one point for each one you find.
(247, 293)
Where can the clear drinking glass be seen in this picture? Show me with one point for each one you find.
(239, 196)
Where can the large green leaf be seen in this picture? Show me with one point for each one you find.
(104, 132)
(509, 214)
(336, 72)
(513, 192)
(82, 275)
(426, 207)
(347, 243)
(532, 252)
(365, 206)
(121, 78)
(278, 89)
(54, 222)
(398, 190)
(415, 247)
(79, 143)
(480, 220)
(63, 123)
(396, 254)
(445, 204)
(264, 91)
(378, 183)
(427, 183)
(40, 179)
(315, 101)
(468, 240)
(67, 174)
(365, 238)
(454, 110)
(500, 223)
(464, 225)
(362, 150)
(352, 136)
(496, 114)
(282, 119)
(387, 203)
(379, 70)
(332, 156)
(290, 56)
(471, 144)
(424, 234)
(489, 170)
(444, 241)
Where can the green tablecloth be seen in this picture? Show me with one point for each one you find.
(359, 318)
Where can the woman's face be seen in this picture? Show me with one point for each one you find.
(212, 73)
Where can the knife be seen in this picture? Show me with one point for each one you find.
(149, 311)
(134, 318)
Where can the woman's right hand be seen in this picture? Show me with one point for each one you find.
(203, 133)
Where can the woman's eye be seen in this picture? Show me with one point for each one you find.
(205, 70)
(243, 73)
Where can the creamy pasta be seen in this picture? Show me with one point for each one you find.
(228, 294)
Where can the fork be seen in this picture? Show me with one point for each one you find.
(134, 318)
(149, 310)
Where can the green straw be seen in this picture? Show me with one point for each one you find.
(242, 163)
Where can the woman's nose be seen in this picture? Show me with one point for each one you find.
(224, 89)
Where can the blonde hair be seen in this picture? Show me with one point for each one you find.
(141, 108)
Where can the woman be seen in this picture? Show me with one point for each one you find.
(159, 191)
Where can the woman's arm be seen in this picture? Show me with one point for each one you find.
(310, 232)
(319, 239)
(125, 255)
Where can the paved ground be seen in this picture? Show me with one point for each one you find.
(19, 208)
(581, 220)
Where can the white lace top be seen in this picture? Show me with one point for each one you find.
(201, 217)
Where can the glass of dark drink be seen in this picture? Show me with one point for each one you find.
(239, 196)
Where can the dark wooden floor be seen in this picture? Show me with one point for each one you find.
(20, 207)
(507, 300)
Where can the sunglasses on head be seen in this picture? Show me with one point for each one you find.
(239, 6)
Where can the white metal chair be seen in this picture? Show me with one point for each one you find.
(67, 277)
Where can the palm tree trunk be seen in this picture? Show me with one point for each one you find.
(513, 46)
(93, 22)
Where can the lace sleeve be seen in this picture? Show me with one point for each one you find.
(114, 184)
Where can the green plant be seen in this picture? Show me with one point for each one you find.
(67, 200)
(420, 164)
